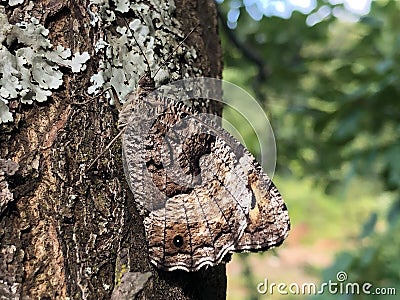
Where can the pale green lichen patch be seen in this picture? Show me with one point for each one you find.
(29, 64)
(13, 2)
(78, 62)
(154, 27)
(5, 115)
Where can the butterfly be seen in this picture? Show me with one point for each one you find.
(201, 194)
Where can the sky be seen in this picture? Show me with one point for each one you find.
(353, 9)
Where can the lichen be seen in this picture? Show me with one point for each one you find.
(13, 2)
(30, 64)
(154, 27)
(7, 167)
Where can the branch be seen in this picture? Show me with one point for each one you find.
(263, 69)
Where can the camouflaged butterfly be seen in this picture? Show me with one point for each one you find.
(201, 194)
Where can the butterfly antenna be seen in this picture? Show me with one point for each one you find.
(176, 48)
(145, 58)
(105, 149)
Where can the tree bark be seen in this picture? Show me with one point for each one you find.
(66, 231)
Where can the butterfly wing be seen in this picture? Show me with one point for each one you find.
(267, 217)
(201, 193)
(174, 174)
(268, 221)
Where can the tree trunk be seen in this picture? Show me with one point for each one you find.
(66, 231)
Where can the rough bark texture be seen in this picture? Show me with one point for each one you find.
(70, 232)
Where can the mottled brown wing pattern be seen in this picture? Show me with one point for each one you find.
(268, 220)
(200, 192)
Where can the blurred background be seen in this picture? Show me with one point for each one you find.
(327, 74)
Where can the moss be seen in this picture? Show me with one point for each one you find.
(119, 273)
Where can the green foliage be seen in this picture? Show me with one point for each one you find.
(325, 216)
(376, 263)
(332, 93)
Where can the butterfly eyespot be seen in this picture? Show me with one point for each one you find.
(178, 241)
